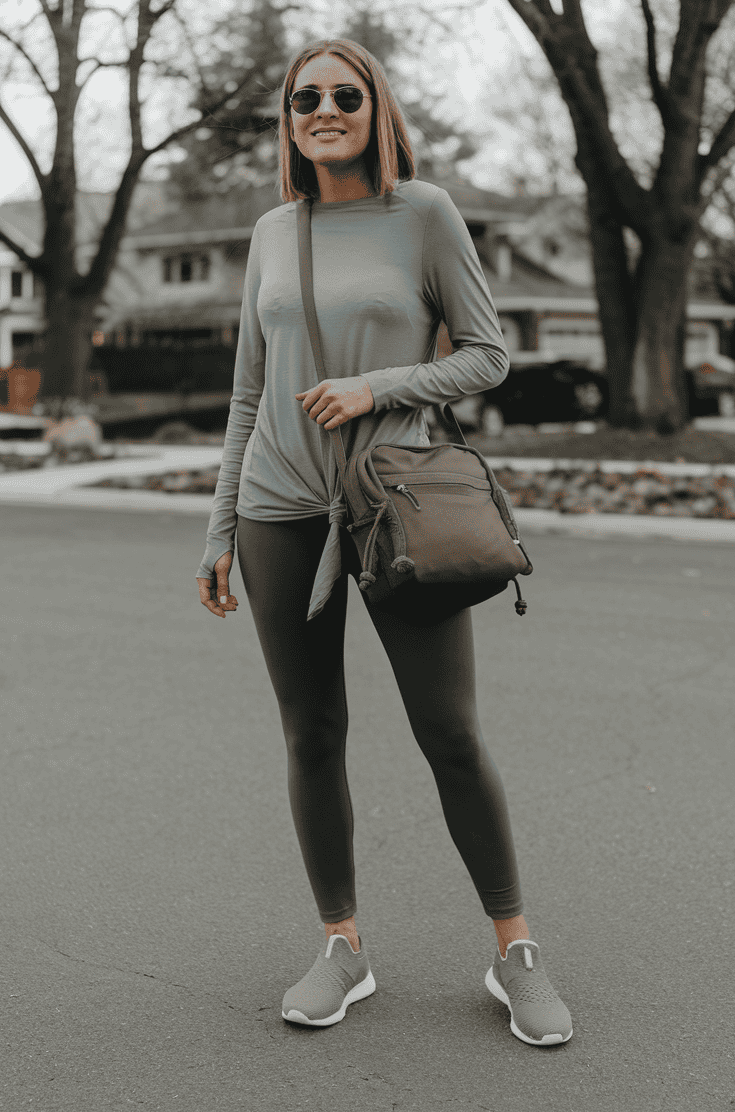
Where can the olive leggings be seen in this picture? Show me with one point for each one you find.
(435, 669)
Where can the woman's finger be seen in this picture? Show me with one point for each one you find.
(212, 600)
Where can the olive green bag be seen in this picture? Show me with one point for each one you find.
(433, 528)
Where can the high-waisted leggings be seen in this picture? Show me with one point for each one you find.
(435, 669)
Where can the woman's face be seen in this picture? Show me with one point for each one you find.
(326, 73)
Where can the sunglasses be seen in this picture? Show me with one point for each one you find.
(347, 99)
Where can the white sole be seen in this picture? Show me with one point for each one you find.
(498, 991)
(359, 992)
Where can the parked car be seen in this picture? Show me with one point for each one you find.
(565, 391)
(560, 391)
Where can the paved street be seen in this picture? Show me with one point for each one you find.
(154, 903)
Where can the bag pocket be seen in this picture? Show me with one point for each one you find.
(454, 530)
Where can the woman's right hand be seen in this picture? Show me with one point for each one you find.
(212, 598)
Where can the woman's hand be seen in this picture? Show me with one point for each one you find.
(213, 599)
(336, 400)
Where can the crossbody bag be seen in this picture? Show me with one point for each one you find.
(433, 528)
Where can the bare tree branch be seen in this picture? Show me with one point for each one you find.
(573, 15)
(100, 65)
(538, 15)
(715, 192)
(723, 142)
(29, 60)
(30, 260)
(112, 11)
(155, 16)
(181, 131)
(20, 139)
(660, 96)
(573, 61)
(187, 37)
(447, 9)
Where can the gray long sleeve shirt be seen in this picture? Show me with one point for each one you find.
(387, 271)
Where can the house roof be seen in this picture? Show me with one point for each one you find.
(157, 218)
(529, 280)
(236, 214)
(226, 215)
(24, 219)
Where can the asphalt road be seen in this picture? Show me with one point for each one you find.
(154, 903)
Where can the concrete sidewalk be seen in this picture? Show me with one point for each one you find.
(66, 486)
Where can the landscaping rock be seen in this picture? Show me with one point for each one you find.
(645, 492)
(80, 434)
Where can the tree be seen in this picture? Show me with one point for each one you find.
(642, 297)
(719, 234)
(236, 148)
(71, 296)
(240, 147)
(439, 144)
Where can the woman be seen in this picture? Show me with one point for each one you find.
(392, 258)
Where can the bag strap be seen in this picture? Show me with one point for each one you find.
(446, 416)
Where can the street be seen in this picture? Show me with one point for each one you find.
(155, 906)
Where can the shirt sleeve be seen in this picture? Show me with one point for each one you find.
(247, 389)
(454, 284)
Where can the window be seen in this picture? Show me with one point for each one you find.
(186, 268)
(16, 283)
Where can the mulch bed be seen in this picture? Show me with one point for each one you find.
(18, 461)
(645, 491)
(564, 489)
(172, 482)
(570, 491)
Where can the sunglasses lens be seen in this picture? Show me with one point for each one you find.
(308, 100)
(348, 100)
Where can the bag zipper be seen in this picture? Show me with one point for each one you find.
(409, 494)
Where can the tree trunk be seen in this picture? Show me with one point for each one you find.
(658, 384)
(68, 346)
(615, 297)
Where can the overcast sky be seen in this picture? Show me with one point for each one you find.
(467, 69)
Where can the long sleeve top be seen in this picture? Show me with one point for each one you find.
(387, 271)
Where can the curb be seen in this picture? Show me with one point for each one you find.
(611, 467)
(634, 526)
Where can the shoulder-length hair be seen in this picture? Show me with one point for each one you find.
(388, 156)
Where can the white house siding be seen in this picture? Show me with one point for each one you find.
(568, 337)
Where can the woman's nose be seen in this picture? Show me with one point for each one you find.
(327, 100)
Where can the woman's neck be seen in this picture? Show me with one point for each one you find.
(354, 185)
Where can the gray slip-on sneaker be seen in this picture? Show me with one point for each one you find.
(338, 977)
(537, 1015)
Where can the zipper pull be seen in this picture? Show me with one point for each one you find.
(409, 494)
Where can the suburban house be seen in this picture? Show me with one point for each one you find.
(169, 319)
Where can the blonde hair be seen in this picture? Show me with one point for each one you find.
(388, 155)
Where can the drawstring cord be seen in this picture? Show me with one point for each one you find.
(404, 563)
(370, 556)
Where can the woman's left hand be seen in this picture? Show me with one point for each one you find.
(336, 400)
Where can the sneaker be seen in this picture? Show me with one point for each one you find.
(338, 977)
(537, 1015)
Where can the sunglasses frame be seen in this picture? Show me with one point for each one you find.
(365, 96)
